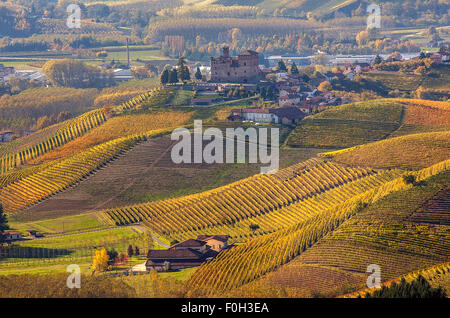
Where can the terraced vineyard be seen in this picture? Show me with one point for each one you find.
(134, 102)
(256, 196)
(119, 126)
(437, 275)
(436, 210)
(56, 177)
(292, 214)
(411, 152)
(348, 125)
(63, 135)
(424, 116)
(247, 262)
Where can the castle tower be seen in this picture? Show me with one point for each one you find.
(226, 51)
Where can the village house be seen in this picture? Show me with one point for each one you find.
(122, 75)
(5, 71)
(257, 115)
(289, 100)
(283, 115)
(287, 115)
(30, 75)
(350, 74)
(9, 236)
(5, 135)
(34, 233)
(306, 107)
(242, 69)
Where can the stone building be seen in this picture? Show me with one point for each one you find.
(242, 68)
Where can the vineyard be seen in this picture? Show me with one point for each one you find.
(119, 126)
(58, 176)
(436, 210)
(58, 26)
(63, 135)
(257, 197)
(247, 262)
(382, 234)
(436, 275)
(348, 125)
(410, 152)
(26, 149)
(21, 111)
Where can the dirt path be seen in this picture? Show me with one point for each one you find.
(156, 239)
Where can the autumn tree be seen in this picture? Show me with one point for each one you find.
(165, 76)
(198, 74)
(253, 227)
(101, 259)
(377, 60)
(140, 72)
(281, 66)
(420, 70)
(173, 76)
(325, 86)
(130, 251)
(3, 222)
(73, 73)
(294, 69)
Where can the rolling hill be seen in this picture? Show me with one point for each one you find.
(329, 216)
(364, 122)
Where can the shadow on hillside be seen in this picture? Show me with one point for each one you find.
(32, 252)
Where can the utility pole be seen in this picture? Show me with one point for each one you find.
(128, 54)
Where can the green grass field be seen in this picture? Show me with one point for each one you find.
(60, 225)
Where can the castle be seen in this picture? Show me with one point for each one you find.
(242, 69)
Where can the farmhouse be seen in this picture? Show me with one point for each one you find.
(215, 242)
(282, 115)
(242, 69)
(189, 253)
(287, 115)
(289, 100)
(5, 71)
(10, 236)
(5, 135)
(121, 75)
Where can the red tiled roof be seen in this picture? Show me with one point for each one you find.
(11, 232)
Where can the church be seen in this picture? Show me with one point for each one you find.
(237, 69)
